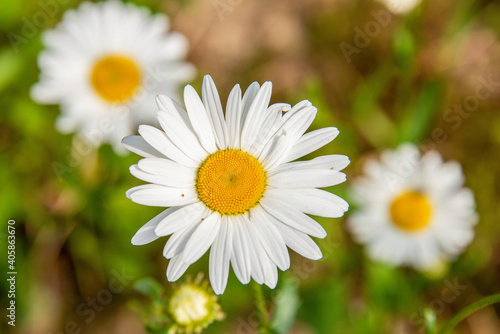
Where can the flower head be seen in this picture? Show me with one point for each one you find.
(193, 307)
(229, 183)
(413, 209)
(104, 63)
(187, 307)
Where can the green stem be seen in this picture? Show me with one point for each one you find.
(430, 321)
(469, 310)
(260, 305)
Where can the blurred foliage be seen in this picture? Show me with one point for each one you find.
(74, 223)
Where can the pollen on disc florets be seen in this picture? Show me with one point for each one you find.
(411, 211)
(115, 78)
(231, 182)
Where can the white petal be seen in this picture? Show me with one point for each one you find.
(169, 172)
(367, 225)
(298, 123)
(312, 201)
(159, 140)
(271, 125)
(169, 106)
(240, 257)
(174, 46)
(182, 137)
(165, 180)
(306, 178)
(176, 267)
(181, 218)
(452, 238)
(233, 117)
(256, 115)
(262, 264)
(247, 101)
(142, 175)
(220, 256)
(257, 266)
(138, 145)
(178, 240)
(300, 242)
(202, 238)
(158, 195)
(212, 104)
(129, 192)
(463, 205)
(277, 151)
(280, 108)
(312, 141)
(296, 108)
(166, 167)
(292, 217)
(271, 239)
(293, 125)
(271, 273)
(335, 162)
(199, 119)
(427, 253)
(146, 233)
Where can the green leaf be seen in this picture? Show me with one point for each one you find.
(404, 47)
(149, 287)
(370, 119)
(482, 303)
(418, 119)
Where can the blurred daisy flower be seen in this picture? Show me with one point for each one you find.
(191, 306)
(230, 184)
(400, 6)
(104, 63)
(413, 209)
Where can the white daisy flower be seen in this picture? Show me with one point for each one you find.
(104, 63)
(413, 209)
(230, 184)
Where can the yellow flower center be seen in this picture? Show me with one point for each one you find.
(115, 78)
(231, 182)
(189, 305)
(411, 211)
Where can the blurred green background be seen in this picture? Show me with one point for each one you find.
(379, 77)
